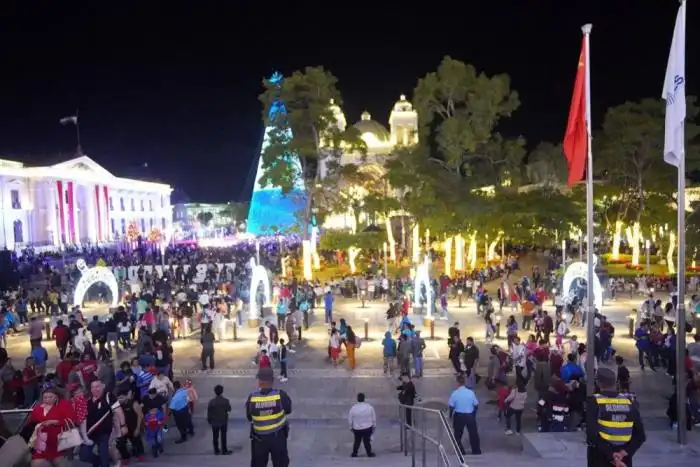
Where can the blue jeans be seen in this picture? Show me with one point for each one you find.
(418, 365)
(329, 315)
(102, 458)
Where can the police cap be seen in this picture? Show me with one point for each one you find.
(606, 377)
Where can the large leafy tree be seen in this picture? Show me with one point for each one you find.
(458, 112)
(546, 165)
(629, 159)
(304, 141)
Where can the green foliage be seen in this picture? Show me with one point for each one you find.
(342, 240)
(546, 165)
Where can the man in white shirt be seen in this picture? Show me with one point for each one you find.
(362, 420)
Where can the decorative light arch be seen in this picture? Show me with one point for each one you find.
(423, 278)
(579, 270)
(90, 276)
(259, 274)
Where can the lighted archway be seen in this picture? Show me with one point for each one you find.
(422, 277)
(258, 275)
(90, 276)
(579, 270)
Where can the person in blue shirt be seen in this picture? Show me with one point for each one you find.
(571, 371)
(641, 336)
(463, 405)
(181, 412)
(40, 356)
(328, 305)
(389, 346)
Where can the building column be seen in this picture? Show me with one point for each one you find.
(77, 207)
(107, 217)
(90, 205)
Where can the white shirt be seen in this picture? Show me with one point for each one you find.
(362, 416)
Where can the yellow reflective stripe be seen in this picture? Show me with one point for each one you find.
(613, 400)
(619, 438)
(267, 418)
(611, 424)
(270, 427)
(274, 398)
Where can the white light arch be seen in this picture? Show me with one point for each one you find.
(259, 274)
(90, 276)
(579, 270)
(423, 278)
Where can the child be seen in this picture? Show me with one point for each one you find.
(273, 352)
(264, 361)
(283, 361)
(501, 395)
(154, 422)
(623, 375)
(192, 395)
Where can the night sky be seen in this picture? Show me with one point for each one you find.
(176, 88)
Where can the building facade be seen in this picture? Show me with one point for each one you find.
(189, 214)
(76, 202)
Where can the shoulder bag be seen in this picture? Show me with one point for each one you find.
(70, 437)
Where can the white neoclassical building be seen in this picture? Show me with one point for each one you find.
(75, 202)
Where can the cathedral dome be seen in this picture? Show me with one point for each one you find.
(367, 125)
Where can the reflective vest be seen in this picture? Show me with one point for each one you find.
(614, 419)
(266, 412)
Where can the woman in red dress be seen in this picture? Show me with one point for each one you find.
(51, 416)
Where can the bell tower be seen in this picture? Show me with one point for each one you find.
(403, 123)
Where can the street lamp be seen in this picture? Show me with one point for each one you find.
(459, 296)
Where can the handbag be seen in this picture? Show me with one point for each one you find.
(70, 437)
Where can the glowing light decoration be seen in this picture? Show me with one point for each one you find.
(669, 256)
(579, 270)
(459, 253)
(352, 256)
(306, 259)
(314, 249)
(269, 206)
(259, 275)
(390, 238)
(448, 256)
(132, 232)
(492, 248)
(634, 238)
(90, 276)
(422, 278)
(415, 244)
(471, 258)
(617, 238)
(427, 240)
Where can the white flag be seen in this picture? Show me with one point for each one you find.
(674, 94)
(67, 120)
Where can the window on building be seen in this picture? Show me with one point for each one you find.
(66, 196)
(150, 222)
(111, 206)
(121, 203)
(142, 206)
(143, 225)
(114, 226)
(16, 203)
(123, 226)
(162, 223)
(17, 228)
(150, 205)
(133, 204)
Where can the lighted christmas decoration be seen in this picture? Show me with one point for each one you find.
(132, 232)
(155, 235)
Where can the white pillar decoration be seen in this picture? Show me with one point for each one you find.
(472, 251)
(423, 278)
(352, 256)
(390, 238)
(415, 244)
(258, 276)
(669, 255)
(459, 253)
(314, 248)
(306, 257)
(76, 213)
(51, 212)
(617, 237)
(91, 215)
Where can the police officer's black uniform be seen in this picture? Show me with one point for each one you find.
(614, 424)
(267, 410)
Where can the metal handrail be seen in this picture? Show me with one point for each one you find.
(23, 423)
(443, 429)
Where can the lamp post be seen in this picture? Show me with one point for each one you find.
(432, 327)
(460, 291)
(631, 318)
(648, 245)
(366, 329)
(235, 329)
(47, 327)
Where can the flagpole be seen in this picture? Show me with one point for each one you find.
(590, 310)
(680, 311)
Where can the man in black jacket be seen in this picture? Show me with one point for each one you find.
(407, 394)
(217, 417)
(471, 355)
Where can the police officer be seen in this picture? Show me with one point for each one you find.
(267, 410)
(614, 429)
(463, 405)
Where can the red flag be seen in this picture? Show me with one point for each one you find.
(576, 139)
